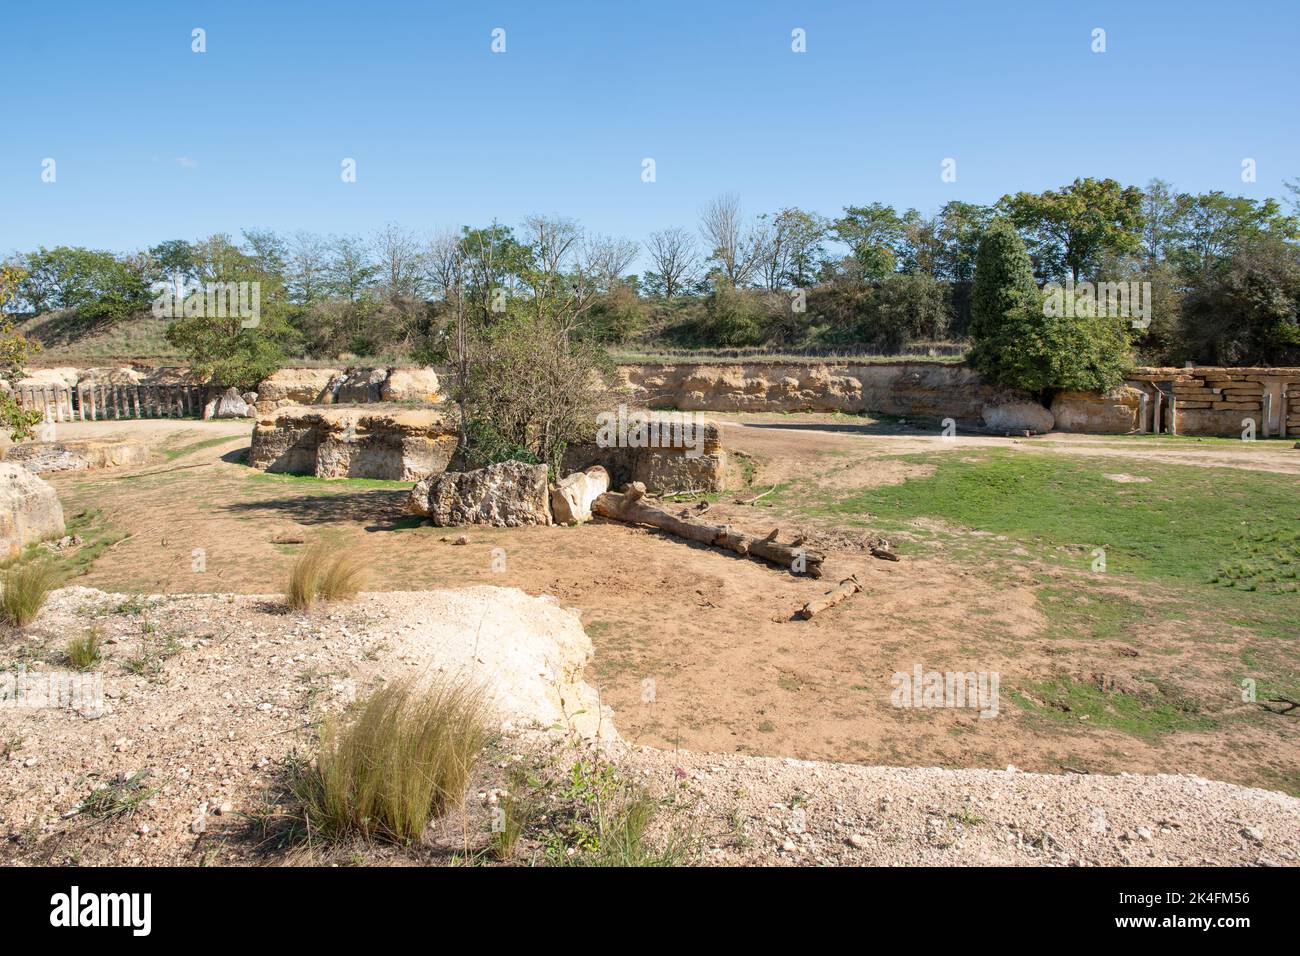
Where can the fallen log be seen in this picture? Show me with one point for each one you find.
(628, 506)
(846, 589)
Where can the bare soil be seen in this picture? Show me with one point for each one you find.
(714, 634)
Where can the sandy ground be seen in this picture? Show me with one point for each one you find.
(712, 635)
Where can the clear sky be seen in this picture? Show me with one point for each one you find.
(153, 141)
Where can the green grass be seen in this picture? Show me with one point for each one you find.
(1180, 526)
(25, 589)
(1147, 714)
(84, 652)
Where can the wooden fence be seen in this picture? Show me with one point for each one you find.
(89, 403)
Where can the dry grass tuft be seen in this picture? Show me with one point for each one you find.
(402, 760)
(83, 652)
(318, 575)
(25, 590)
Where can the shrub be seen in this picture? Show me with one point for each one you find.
(83, 652)
(1018, 344)
(25, 590)
(404, 759)
(316, 575)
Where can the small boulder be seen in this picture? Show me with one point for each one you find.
(507, 494)
(29, 510)
(1017, 417)
(229, 404)
(572, 495)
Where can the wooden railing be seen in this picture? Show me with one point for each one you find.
(89, 403)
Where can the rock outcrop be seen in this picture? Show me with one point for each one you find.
(40, 457)
(29, 510)
(295, 386)
(1119, 411)
(410, 385)
(369, 441)
(676, 452)
(1014, 417)
(573, 494)
(507, 494)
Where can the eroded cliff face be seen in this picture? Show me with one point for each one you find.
(907, 389)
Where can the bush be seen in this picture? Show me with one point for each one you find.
(316, 575)
(404, 759)
(25, 590)
(1018, 344)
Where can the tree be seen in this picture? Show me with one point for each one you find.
(675, 261)
(1018, 343)
(734, 247)
(223, 345)
(1070, 229)
(874, 235)
(1248, 311)
(98, 285)
(15, 349)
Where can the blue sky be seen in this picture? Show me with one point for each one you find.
(153, 141)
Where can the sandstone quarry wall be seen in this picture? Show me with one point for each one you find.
(1185, 401)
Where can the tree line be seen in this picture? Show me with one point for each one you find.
(1224, 274)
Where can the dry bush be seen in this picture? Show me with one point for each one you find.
(403, 759)
(318, 575)
(25, 590)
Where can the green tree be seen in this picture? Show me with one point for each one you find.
(1018, 344)
(223, 345)
(14, 352)
(1069, 230)
(874, 235)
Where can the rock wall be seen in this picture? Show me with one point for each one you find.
(399, 444)
(1206, 401)
(908, 389)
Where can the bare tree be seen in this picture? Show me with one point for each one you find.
(306, 267)
(447, 270)
(675, 258)
(399, 258)
(735, 248)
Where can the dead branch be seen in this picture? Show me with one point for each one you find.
(846, 589)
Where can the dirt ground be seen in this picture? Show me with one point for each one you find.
(696, 649)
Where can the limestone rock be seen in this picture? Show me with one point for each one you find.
(295, 386)
(410, 385)
(40, 457)
(368, 441)
(358, 385)
(690, 458)
(1017, 416)
(29, 510)
(507, 494)
(229, 404)
(572, 495)
(1116, 412)
(62, 377)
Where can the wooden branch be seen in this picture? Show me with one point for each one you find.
(846, 589)
(750, 501)
(629, 507)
